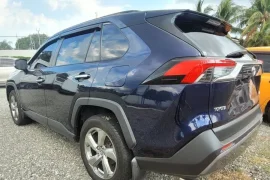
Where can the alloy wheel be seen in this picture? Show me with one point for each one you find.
(100, 153)
(14, 108)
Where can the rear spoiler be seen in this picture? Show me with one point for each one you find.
(192, 21)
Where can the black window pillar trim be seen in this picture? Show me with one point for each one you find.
(115, 108)
(56, 51)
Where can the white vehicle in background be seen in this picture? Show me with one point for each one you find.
(6, 68)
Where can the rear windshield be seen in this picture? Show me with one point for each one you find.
(266, 61)
(213, 45)
(208, 34)
(204, 32)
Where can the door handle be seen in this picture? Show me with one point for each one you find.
(82, 76)
(40, 80)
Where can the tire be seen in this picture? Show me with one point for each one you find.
(94, 128)
(16, 111)
(267, 118)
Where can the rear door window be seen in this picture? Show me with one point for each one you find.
(266, 61)
(74, 49)
(94, 49)
(114, 43)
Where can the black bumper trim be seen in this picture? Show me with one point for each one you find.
(202, 155)
(228, 156)
(227, 131)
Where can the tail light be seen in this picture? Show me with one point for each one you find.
(191, 71)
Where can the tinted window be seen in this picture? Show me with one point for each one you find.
(44, 58)
(266, 61)
(205, 34)
(6, 62)
(94, 50)
(213, 45)
(46, 54)
(73, 50)
(114, 43)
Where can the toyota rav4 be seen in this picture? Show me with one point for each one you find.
(163, 91)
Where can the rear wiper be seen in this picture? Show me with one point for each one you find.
(237, 54)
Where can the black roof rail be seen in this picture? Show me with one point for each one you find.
(121, 12)
(129, 11)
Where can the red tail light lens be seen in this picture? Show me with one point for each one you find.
(191, 71)
(196, 70)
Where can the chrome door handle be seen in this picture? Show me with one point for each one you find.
(82, 76)
(40, 80)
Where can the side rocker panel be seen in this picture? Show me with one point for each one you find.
(115, 108)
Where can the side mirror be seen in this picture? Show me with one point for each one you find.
(21, 64)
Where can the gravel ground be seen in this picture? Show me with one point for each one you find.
(36, 152)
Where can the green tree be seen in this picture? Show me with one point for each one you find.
(260, 37)
(4, 45)
(199, 7)
(256, 18)
(228, 11)
(32, 41)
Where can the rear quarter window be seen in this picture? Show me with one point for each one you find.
(114, 43)
(266, 60)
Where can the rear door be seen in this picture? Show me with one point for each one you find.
(112, 68)
(72, 75)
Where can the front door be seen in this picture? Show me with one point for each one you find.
(71, 77)
(31, 86)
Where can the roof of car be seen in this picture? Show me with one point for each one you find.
(121, 19)
(259, 49)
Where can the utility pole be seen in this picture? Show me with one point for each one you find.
(38, 37)
(17, 41)
(31, 42)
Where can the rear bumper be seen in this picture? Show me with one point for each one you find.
(205, 153)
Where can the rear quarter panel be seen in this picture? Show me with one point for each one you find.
(165, 117)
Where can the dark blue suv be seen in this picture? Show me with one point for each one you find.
(163, 91)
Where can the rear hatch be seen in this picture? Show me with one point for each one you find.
(234, 73)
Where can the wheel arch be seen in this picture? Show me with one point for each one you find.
(109, 105)
(9, 87)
